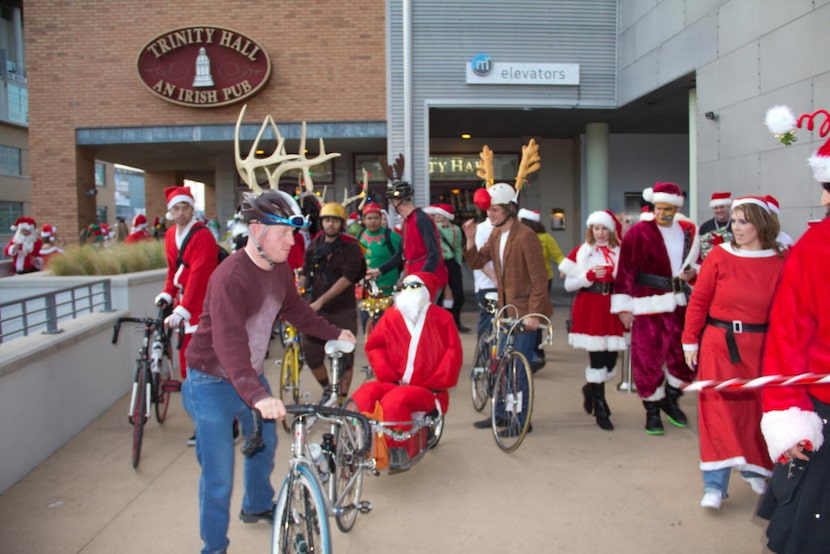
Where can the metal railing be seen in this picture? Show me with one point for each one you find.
(43, 312)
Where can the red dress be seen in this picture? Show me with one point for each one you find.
(594, 327)
(733, 285)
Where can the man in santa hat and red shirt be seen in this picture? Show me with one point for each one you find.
(795, 421)
(48, 235)
(718, 229)
(139, 232)
(24, 247)
(186, 283)
(415, 352)
(657, 260)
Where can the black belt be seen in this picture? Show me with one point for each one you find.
(733, 328)
(674, 284)
(605, 288)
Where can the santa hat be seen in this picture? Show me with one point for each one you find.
(665, 193)
(720, 199)
(371, 208)
(140, 222)
(782, 123)
(47, 230)
(353, 218)
(757, 200)
(607, 219)
(23, 223)
(440, 209)
(427, 279)
(532, 215)
(174, 195)
(773, 204)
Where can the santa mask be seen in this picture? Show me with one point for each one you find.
(413, 299)
(27, 240)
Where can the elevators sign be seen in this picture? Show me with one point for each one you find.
(203, 67)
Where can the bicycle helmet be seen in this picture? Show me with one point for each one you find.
(399, 190)
(502, 193)
(333, 209)
(272, 207)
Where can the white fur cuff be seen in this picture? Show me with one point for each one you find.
(783, 429)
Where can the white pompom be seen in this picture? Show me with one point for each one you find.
(780, 120)
(648, 195)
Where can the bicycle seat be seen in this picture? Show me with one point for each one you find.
(492, 296)
(342, 346)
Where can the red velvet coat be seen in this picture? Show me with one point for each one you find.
(187, 284)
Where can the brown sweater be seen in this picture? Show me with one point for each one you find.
(241, 305)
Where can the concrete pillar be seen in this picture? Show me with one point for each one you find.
(225, 190)
(596, 166)
(154, 185)
(692, 199)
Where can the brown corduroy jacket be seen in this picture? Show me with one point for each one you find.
(523, 281)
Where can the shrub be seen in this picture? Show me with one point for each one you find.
(112, 260)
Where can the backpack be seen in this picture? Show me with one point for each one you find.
(220, 257)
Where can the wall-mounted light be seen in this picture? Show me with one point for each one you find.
(557, 219)
(711, 116)
(466, 136)
(91, 192)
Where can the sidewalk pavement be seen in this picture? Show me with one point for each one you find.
(570, 488)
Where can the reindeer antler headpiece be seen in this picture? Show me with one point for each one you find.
(395, 171)
(530, 163)
(279, 161)
(782, 123)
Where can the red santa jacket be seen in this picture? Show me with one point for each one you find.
(138, 236)
(25, 263)
(430, 357)
(187, 284)
(798, 341)
(643, 250)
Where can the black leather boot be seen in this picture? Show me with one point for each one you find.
(654, 426)
(587, 400)
(601, 410)
(672, 408)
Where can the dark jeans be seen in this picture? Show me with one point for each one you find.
(485, 319)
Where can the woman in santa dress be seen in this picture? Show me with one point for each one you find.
(590, 269)
(723, 338)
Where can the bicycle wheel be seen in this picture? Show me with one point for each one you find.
(139, 411)
(290, 380)
(479, 373)
(160, 393)
(512, 401)
(348, 475)
(301, 525)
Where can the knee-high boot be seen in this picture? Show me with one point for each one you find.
(654, 426)
(672, 408)
(601, 410)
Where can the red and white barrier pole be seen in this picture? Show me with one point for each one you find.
(758, 382)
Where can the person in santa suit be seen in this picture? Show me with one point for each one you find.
(795, 420)
(729, 423)
(139, 231)
(48, 235)
(415, 352)
(658, 258)
(590, 270)
(186, 284)
(24, 247)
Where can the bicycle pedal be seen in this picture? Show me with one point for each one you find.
(364, 506)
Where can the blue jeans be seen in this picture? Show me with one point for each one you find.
(718, 479)
(526, 344)
(213, 404)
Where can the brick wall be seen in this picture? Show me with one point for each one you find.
(327, 56)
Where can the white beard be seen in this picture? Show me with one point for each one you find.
(411, 302)
(27, 241)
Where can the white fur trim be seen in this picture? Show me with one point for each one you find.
(749, 200)
(180, 198)
(593, 343)
(656, 304)
(821, 167)
(646, 216)
(738, 463)
(568, 267)
(783, 429)
(182, 311)
(595, 375)
(748, 253)
(416, 332)
(720, 202)
(621, 303)
(691, 347)
(164, 296)
(435, 210)
(659, 394)
(672, 380)
(529, 214)
(602, 218)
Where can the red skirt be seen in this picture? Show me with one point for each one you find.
(594, 328)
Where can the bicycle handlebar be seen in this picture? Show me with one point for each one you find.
(146, 321)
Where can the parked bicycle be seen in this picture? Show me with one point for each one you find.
(153, 381)
(290, 366)
(502, 377)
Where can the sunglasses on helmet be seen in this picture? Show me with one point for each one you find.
(296, 221)
(412, 285)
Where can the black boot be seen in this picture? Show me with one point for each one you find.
(601, 410)
(654, 426)
(587, 401)
(670, 406)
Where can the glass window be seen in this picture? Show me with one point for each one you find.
(18, 104)
(101, 214)
(10, 161)
(100, 174)
(9, 212)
